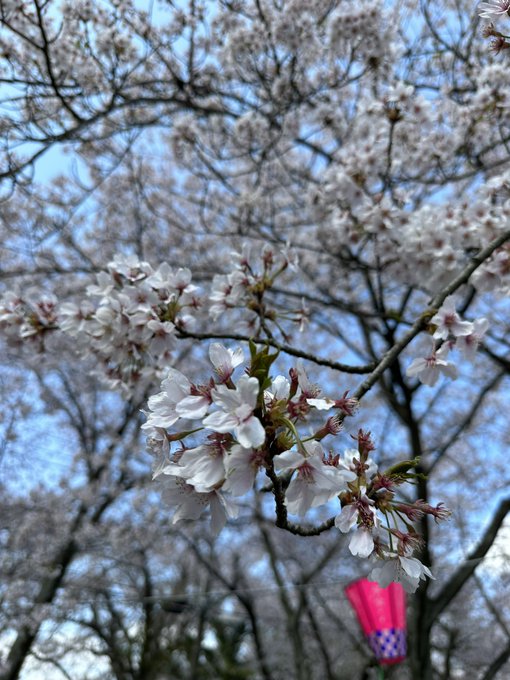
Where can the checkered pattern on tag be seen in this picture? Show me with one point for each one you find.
(388, 643)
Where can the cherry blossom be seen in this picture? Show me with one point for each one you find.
(242, 466)
(197, 403)
(315, 483)
(361, 511)
(159, 446)
(236, 414)
(346, 404)
(363, 465)
(163, 406)
(245, 286)
(204, 466)
(225, 360)
(190, 503)
(468, 344)
(428, 369)
(228, 291)
(449, 323)
(352, 196)
(279, 390)
(347, 518)
(361, 514)
(307, 388)
(408, 571)
(230, 459)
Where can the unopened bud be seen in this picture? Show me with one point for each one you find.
(349, 405)
(382, 482)
(333, 426)
(439, 512)
(393, 113)
(407, 540)
(365, 444)
(498, 45)
(294, 382)
(490, 32)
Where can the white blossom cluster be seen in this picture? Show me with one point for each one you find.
(249, 425)
(24, 317)
(234, 452)
(354, 208)
(127, 321)
(373, 534)
(365, 27)
(250, 276)
(132, 314)
(450, 332)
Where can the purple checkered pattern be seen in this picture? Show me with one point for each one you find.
(388, 643)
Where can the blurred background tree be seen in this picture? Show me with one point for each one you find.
(371, 136)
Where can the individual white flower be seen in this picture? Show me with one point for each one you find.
(139, 297)
(347, 518)
(468, 344)
(241, 260)
(203, 467)
(73, 319)
(42, 305)
(280, 389)
(348, 405)
(108, 324)
(279, 258)
(405, 570)
(362, 508)
(227, 291)
(491, 275)
(185, 322)
(487, 10)
(290, 256)
(130, 267)
(102, 288)
(189, 296)
(400, 93)
(163, 406)
(448, 322)
(237, 412)
(225, 360)
(191, 504)
(315, 483)
(162, 338)
(363, 513)
(165, 280)
(351, 460)
(428, 369)
(12, 308)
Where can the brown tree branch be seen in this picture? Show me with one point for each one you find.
(287, 349)
(389, 357)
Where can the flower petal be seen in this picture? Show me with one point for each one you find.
(288, 460)
(250, 433)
